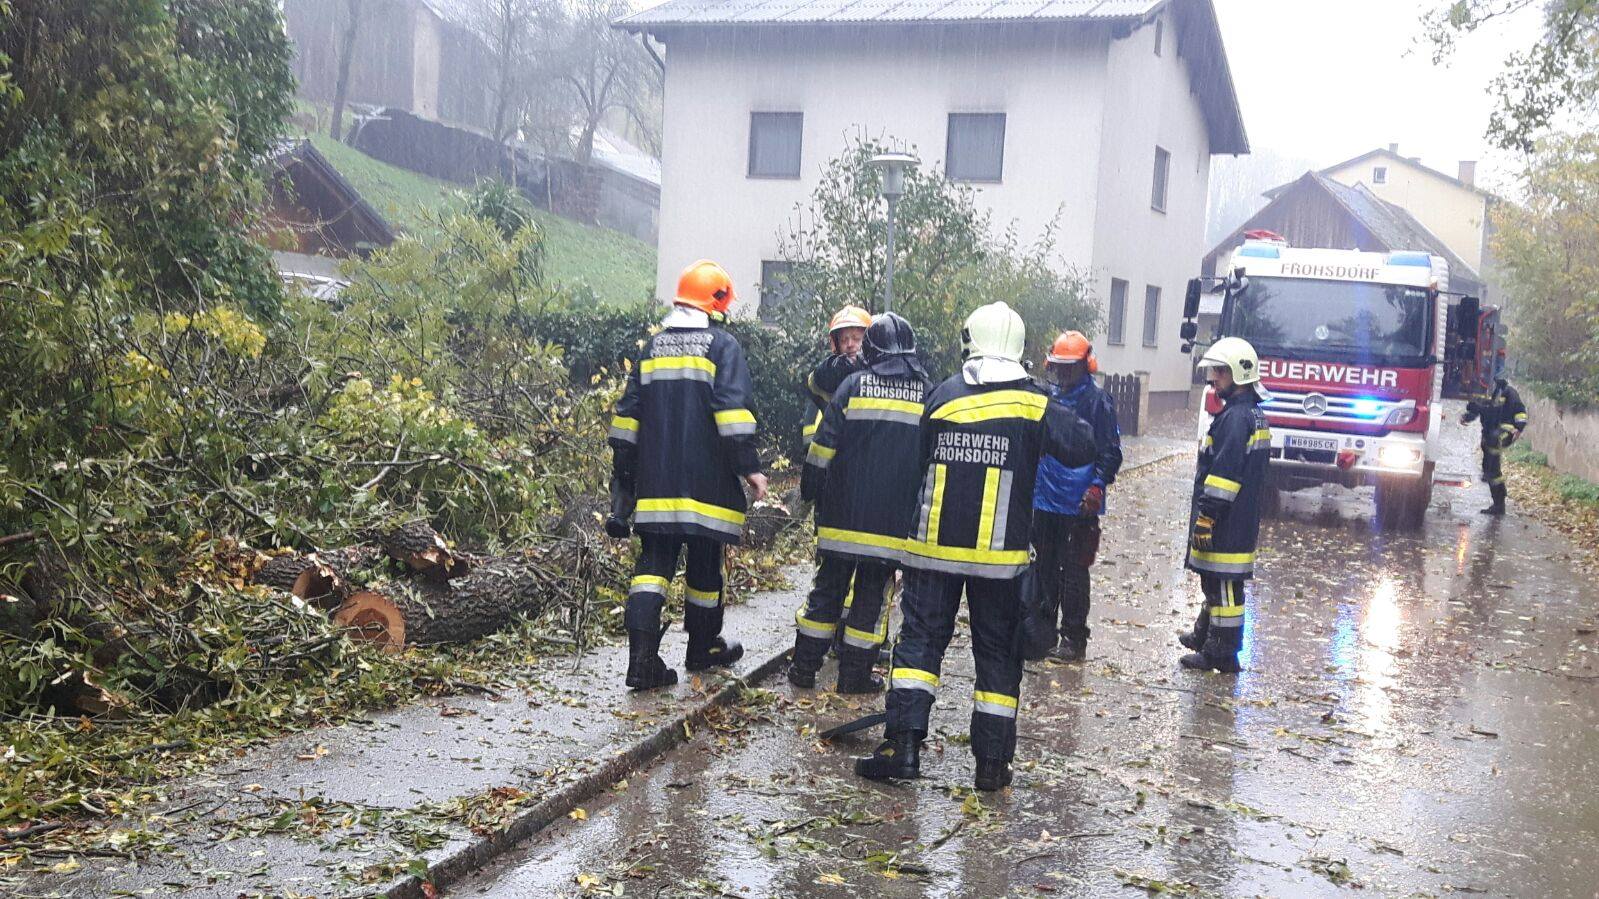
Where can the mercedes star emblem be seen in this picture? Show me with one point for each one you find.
(1315, 405)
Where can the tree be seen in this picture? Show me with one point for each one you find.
(1548, 248)
(605, 70)
(1557, 75)
(948, 260)
(511, 29)
(341, 89)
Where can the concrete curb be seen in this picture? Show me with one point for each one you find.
(459, 863)
(455, 865)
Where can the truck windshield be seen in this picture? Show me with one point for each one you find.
(1308, 319)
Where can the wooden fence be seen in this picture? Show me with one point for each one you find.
(1125, 390)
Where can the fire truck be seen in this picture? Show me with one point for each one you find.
(1357, 349)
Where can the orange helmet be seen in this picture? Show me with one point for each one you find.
(850, 317)
(1072, 346)
(707, 287)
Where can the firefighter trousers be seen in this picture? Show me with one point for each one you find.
(864, 612)
(1059, 586)
(652, 578)
(1223, 618)
(1493, 471)
(929, 605)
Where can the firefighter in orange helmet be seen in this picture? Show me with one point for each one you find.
(845, 331)
(1067, 504)
(683, 437)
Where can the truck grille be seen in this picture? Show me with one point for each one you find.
(1329, 407)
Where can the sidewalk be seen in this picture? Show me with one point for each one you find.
(438, 787)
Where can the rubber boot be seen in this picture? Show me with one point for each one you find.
(992, 775)
(1070, 650)
(713, 653)
(1215, 655)
(1195, 639)
(855, 674)
(645, 668)
(897, 758)
(1498, 492)
(805, 680)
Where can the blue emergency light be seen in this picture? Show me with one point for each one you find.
(1260, 251)
(1423, 260)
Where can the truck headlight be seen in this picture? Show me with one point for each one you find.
(1403, 415)
(1398, 457)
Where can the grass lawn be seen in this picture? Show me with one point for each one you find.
(616, 266)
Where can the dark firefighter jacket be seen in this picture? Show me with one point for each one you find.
(1502, 413)
(980, 446)
(856, 469)
(1228, 485)
(822, 383)
(1061, 488)
(684, 433)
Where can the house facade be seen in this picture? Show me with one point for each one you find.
(1452, 207)
(1097, 119)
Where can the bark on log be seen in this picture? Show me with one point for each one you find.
(331, 577)
(417, 546)
(280, 572)
(420, 612)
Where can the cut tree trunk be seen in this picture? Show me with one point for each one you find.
(331, 577)
(420, 613)
(420, 548)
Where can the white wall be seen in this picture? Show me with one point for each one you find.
(1083, 116)
(1149, 103)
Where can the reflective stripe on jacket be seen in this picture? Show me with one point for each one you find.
(980, 446)
(857, 471)
(684, 433)
(1228, 485)
(1501, 411)
(822, 383)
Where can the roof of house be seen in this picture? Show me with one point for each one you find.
(312, 173)
(1391, 156)
(1195, 23)
(1391, 225)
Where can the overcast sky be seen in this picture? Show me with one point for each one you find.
(1330, 79)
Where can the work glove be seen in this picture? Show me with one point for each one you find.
(1093, 500)
(1204, 533)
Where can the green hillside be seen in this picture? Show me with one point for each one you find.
(617, 267)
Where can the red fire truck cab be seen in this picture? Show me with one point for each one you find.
(1357, 350)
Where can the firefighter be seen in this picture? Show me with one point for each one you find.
(1226, 504)
(1067, 505)
(865, 499)
(845, 331)
(1503, 417)
(683, 437)
(982, 433)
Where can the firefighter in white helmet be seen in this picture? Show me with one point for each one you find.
(981, 435)
(1226, 506)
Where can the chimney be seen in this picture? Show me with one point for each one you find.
(1468, 172)
(1394, 149)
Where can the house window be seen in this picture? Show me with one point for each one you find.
(777, 292)
(1118, 311)
(775, 144)
(975, 150)
(1160, 34)
(1379, 175)
(1157, 197)
(1151, 315)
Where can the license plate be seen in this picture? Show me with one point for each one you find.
(1320, 444)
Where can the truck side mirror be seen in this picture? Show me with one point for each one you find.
(1189, 331)
(1191, 300)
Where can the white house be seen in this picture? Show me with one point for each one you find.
(1101, 115)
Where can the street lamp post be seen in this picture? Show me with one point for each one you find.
(893, 166)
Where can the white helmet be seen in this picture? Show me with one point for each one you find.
(1236, 355)
(994, 331)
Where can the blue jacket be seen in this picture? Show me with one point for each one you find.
(1060, 487)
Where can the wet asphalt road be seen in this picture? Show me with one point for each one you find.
(1420, 716)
